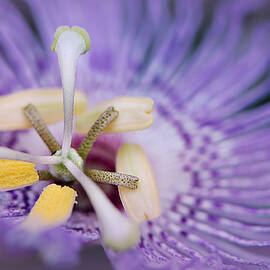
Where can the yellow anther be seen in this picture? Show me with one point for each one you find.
(53, 208)
(134, 114)
(143, 202)
(16, 174)
(48, 102)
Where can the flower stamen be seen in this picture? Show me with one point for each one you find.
(113, 178)
(97, 128)
(40, 126)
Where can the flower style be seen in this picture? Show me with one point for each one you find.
(205, 64)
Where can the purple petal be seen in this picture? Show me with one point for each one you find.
(206, 68)
(56, 246)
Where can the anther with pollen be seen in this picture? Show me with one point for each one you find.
(40, 126)
(101, 123)
(114, 178)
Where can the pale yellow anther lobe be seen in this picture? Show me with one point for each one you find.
(16, 174)
(143, 202)
(134, 114)
(53, 208)
(48, 101)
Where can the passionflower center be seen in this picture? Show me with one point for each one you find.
(60, 171)
(54, 206)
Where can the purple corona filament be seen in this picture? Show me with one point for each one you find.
(206, 66)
